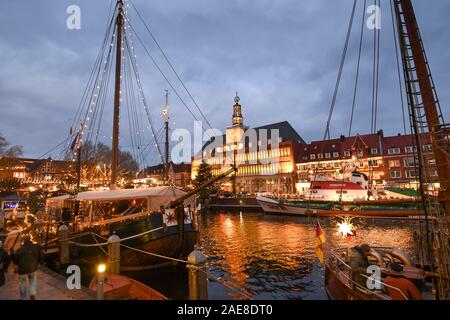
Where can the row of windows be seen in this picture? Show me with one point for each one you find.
(408, 162)
(258, 170)
(411, 174)
(373, 151)
(347, 153)
(396, 174)
(250, 156)
(327, 156)
(337, 165)
(410, 149)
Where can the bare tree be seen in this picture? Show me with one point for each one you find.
(9, 151)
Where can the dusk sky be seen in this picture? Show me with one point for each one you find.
(281, 56)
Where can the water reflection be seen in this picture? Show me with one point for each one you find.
(272, 257)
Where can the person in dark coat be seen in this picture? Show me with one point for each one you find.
(359, 262)
(27, 258)
(4, 263)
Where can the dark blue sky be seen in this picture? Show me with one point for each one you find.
(282, 57)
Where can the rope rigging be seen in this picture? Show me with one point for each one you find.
(375, 71)
(358, 67)
(169, 63)
(341, 68)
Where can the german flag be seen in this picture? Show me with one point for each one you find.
(320, 241)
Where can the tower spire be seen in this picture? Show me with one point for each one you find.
(237, 113)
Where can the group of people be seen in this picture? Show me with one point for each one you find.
(395, 285)
(26, 257)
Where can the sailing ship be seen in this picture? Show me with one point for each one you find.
(431, 274)
(155, 225)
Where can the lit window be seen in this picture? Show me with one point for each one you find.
(394, 151)
(360, 154)
(395, 174)
(410, 162)
(427, 147)
(335, 154)
(320, 156)
(394, 163)
(411, 174)
(373, 163)
(411, 149)
(374, 151)
(328, 155)
(347, 153)
(312, 156)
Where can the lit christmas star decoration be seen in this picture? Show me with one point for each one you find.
(345, 227)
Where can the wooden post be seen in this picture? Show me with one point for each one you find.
(198, 285)
(101, 282)
(114, 254)
(64, 254)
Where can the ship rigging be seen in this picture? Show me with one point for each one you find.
(426, 121)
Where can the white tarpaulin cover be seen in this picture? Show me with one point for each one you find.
(110, 195)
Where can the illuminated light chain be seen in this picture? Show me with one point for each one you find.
(345, 227)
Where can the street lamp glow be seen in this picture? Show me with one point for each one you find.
(101, 268)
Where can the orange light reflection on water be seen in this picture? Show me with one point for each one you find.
(272, 257)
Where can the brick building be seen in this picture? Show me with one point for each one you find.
(387, 161)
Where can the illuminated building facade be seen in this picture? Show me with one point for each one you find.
(36, 171)
(387, 161)
(179, 174)
(265, 156)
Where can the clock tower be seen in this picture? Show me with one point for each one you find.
(237, 114)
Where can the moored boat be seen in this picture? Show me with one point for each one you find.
(121, 287)
(135, 216)
(340, 283)
(272, 206)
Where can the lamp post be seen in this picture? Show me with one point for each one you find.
(101, 281)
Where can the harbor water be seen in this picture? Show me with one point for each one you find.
(268, 257)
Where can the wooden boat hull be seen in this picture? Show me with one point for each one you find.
(336, 290)
(172, 241)
(121, 287)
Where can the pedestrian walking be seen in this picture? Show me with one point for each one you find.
(2, 219)
(27, 258)
(4, 263)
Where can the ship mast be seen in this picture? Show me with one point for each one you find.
(117, 92)
(422, 96)
(166, 126)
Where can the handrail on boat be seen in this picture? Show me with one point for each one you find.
(386, 285)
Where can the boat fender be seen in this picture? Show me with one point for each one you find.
(378, 256)
(389, 257)
(402, 256)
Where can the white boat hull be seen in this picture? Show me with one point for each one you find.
(273, 206)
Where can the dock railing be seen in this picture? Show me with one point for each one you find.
(197, 283)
